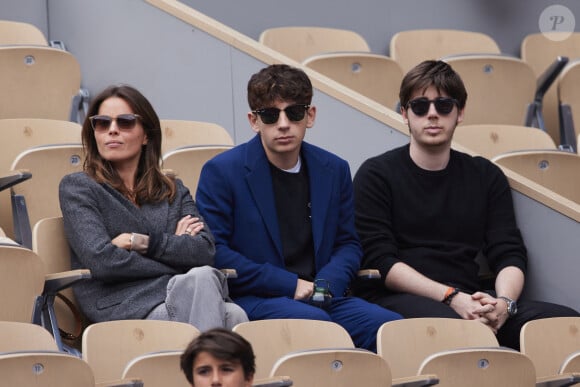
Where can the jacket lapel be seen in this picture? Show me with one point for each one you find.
(259, 180)
(321, 186)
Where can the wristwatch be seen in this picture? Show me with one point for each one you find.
(512, 306)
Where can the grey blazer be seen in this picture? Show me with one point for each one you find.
(125, 284)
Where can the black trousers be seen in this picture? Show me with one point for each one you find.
(412, 306)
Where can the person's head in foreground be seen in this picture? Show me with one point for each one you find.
(219, 357)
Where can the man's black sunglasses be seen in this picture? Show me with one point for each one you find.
(443, 105)
(271, 115)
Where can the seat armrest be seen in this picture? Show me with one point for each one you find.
(273, 381)
(416, 381)
(130, 382)
(548, 77)
(55, 282)
(13, 178)
(559, 380)
(534, 112)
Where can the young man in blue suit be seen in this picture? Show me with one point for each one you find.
(282, 214)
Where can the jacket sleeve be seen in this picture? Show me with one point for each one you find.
(346, 253)
(373, 218)
(182, 251)
(504, 245)
(216, 199)
(88, 211)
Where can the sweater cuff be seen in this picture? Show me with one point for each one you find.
(154, 242)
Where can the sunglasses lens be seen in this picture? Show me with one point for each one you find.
(269, 115)
(101, 122)
(126, 121)
(444, 105)
(420, 106)
(295, 112)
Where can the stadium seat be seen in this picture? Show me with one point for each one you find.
(186, 162)
(334, 368)
(481, 367)
(50, 244)
(20, 134)
(500, 88)
(299, 43)
(109, 346)
(409, 48)
(405, 343)
(377, 77)
(15, 32)
(549, 341)
(541, 49)
(554, 170)
(180, 133)
(272, 339)
(491, 140)
(37, 198)
(39, 82)
(28, 290)
(23, 336)
(569, 104)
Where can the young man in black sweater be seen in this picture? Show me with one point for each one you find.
(425, 211)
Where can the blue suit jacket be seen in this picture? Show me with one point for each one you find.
(236, 199)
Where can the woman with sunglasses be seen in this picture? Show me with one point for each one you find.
(137, 229)
(426, 213)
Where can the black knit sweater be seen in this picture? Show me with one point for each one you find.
(436, 221)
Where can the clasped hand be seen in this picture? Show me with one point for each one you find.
(481, 306)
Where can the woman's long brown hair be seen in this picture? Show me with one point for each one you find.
(151, 184)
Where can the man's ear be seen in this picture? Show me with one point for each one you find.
(310, 116)
(404, 114)
(253, 119)
(460, 115)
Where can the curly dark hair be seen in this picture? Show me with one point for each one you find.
(279, 82)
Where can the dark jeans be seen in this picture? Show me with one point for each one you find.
(410, 306)
(360, 318)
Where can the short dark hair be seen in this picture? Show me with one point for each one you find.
(222, 344)
(433, 73)
(279, 82)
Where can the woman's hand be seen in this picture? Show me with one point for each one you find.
(123, 241)
(132, 242)
(189, 225)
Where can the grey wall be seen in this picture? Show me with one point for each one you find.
(29, 11)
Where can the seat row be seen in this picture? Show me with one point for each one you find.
(526, 151)
(411, 352)
(345, 56)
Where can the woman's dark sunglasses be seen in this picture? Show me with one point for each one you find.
(271, 115)
(101, 123)
(420, 106)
